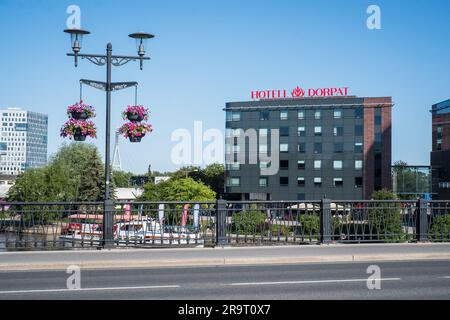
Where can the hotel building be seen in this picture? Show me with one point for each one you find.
(334, 147)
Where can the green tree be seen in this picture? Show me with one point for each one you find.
(178, 190)
(214, 177)
(122, 179)
(74, 173)
(384, 218)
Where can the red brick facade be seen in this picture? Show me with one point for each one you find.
(386, 144)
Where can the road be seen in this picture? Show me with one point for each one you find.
(399, 280)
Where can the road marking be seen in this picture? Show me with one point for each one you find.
(88, 289)
(308, 282)
(446, 277)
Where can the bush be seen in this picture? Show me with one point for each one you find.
(440, 228)
(249, 222)
(385, 219)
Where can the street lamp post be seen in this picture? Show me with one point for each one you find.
(109, 60)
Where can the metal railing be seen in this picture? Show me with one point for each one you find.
(169, 224)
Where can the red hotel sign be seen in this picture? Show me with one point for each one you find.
(299, 93)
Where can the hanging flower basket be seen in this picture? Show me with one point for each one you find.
(78, 129)
(135, 131)
(135, 113)
(80, 111)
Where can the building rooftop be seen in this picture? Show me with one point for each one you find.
(441, 107)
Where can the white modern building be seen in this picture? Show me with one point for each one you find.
(23, 140)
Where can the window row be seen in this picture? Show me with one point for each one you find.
(301, 114)
(301, 182)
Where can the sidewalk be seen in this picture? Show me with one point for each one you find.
(147, 258)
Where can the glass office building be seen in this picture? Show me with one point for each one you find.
(23, 140)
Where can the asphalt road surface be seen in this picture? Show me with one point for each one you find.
(399, 280)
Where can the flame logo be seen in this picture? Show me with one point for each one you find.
(298, 92)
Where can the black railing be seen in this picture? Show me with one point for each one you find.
(168, 224)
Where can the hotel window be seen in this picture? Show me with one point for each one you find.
(263, 182)
(301, 181)
(359, 112)
(301, 115)
(284, 181)
(439, 138)
(358, 182)
(233, 116)
(284, 132)
(358, 147)
(337, 165)
(233, 166)
(338, 182)
(317, 131)
(263, 132)
(234, 182)
(284, 164)
(359, 131)
(264, 165)
(317, 164)
(337, 113)
(301, 164)
(338, 147)
(301, 147)
(236, 149)
(338, 131)
(264, 115)
(317, 148)
(358, 164)
(284, 147)
(317, 182)
(283, 115)
(317, 115)
(301, 131)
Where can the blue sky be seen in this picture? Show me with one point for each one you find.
(207, 53)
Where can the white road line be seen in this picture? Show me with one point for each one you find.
(88, 289)
(308, 282)
(446, 277)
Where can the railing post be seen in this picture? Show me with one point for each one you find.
(108, 224)
(325, 221)
(221, 223)
(422, 221)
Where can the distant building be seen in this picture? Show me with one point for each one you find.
(411, 182)
(128, 194)
(23, 140)
(161, 179)
(440, 154)
(6, 182)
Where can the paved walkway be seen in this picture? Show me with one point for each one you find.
(147, 258)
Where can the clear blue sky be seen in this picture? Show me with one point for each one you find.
(209, 52)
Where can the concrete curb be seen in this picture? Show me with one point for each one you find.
(115, 264)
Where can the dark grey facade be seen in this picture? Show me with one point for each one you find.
(333, 144)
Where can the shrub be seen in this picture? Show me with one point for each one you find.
(440, 228)
(249, 222)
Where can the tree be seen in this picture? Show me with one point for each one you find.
(74, 173)
(214, 177)
(178, 190)
(384, 218)
(122, 179)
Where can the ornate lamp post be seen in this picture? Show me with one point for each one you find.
(109, 60)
